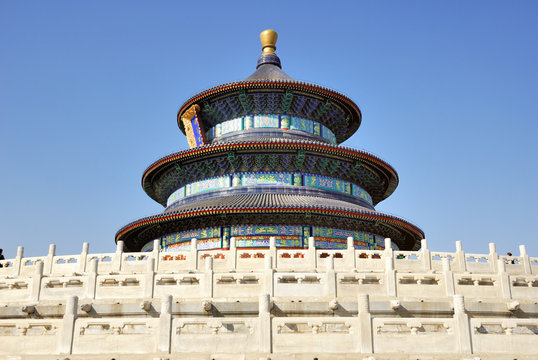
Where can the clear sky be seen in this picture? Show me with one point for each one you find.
(89, 93)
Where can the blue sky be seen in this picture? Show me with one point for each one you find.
(89, 93)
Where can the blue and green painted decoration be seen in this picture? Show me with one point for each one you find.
(255, 236)
(284, 122)
(270, 178)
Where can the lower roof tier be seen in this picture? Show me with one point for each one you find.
(270, 208)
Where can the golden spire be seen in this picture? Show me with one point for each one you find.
(268, 39)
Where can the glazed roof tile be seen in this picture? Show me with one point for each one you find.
(270, 77)
(270, 203)
(269, 71)
(262, 145)
(233, 143)
(277, 85)
(270, 200)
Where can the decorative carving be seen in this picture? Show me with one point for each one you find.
(315, 328)
(413, 327)
(213, 327)
(117, 328)
(194, 128)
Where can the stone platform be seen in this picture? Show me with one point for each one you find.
(270, 303)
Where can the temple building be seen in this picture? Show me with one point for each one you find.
(265, 161)
(269, 248)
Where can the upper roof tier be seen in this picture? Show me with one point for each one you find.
(269, 90)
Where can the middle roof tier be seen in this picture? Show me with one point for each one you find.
(280, 182)
(367, 171)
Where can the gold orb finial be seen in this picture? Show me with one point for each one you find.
(268, 39)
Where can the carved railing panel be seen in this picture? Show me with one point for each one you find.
(315, 335)
(410, 335)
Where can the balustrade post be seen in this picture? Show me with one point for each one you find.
(83, 258)
(208, 277)
(460, 257)
(525, 259)
(492, 257)
(36, 281)
(350, 254)
(193, 255)
(311, 254)
(390, 272)
(155, 253)
(264, 315)
(17, 264)
(389, 254)
(68, 326)
(118, 256)
(504, 279)
(165, 324)
(269, 262)
(449, 277)
(49, 260)
(330, 277)
(268, 275)
(149, 278)
(272, 247)
(233, 254)
(426, 255)
(92, 279)
(365, 324)
(462, 325)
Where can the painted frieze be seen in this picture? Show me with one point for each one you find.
(252, 236)
(284, 122)
(302, 125)
(249, 179)
(269, 178)
(266, 121)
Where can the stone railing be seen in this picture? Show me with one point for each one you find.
(269, 303)
(279, 272)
